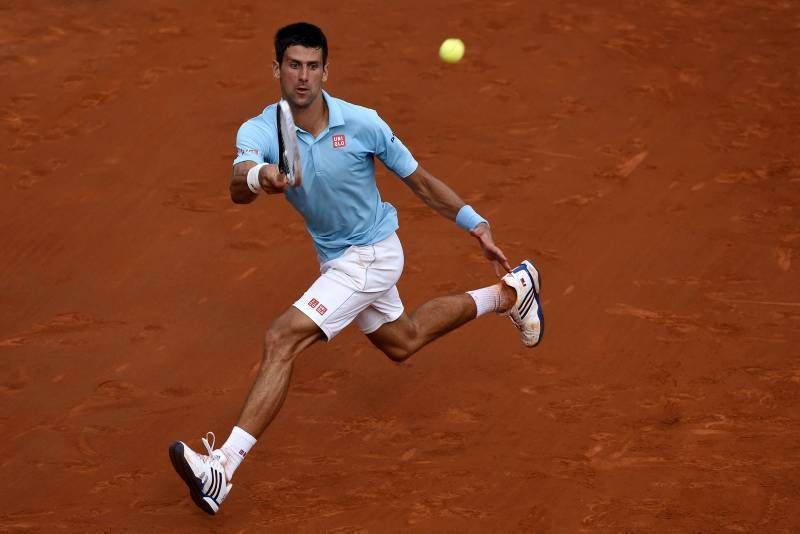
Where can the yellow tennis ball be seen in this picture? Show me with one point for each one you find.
(452, 50)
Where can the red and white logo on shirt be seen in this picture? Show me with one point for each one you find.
(339, 141)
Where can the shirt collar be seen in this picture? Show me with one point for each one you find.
(335, 117)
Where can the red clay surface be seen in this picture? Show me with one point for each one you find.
(645, 156)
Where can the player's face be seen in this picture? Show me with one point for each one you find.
(301, 74)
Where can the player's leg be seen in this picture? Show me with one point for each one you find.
(347, 286)
(399, 335)
(208, 476)
(289, 334)
(332, 302)
(405, 335)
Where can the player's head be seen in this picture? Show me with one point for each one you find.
(302, 34)
(301, 62)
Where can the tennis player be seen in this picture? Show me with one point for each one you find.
(360, 255)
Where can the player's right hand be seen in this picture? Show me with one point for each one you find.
(271, 179)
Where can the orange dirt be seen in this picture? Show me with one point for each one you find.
(645, 156)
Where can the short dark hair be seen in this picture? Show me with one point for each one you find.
(303, 34)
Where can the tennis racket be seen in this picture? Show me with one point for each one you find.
(288, 154)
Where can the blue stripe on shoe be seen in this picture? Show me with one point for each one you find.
(524, 312)
(528, 300)
(530, 303)
(540, 315)
(541, 322)
(525, 302)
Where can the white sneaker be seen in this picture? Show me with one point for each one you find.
(526, 314)
(204, 474)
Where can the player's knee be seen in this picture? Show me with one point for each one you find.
(397, 354)
(401, 344)
(275, 347)
(271, 338)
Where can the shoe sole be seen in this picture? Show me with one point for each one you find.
(537, 287)
(187, 475)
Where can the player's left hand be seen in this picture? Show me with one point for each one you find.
(492, 252)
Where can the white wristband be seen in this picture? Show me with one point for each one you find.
(252, 178)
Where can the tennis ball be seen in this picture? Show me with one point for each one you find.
(452, 50)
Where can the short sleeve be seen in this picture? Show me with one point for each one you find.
(391, 150)
(252, 143)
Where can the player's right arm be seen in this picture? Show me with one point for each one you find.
(252, 148)
(270, 178)
(240, 192)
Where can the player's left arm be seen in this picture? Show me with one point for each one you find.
(443, 200)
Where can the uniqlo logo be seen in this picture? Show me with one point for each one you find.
(339, 141)
(242, 453)
(322, 309)
(313, 303)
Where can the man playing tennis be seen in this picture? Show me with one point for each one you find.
(360, 254)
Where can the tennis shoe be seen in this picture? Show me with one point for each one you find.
(204, 474)
(526, 313)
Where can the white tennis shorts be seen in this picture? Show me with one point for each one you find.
(360, 284)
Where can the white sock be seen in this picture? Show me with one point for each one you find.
(236, 448)
(487, 299)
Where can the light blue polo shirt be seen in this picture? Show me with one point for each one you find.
(338, 196)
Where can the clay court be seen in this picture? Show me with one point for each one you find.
(644, 154)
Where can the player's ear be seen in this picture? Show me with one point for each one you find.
(325, 72)
(276, 69)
